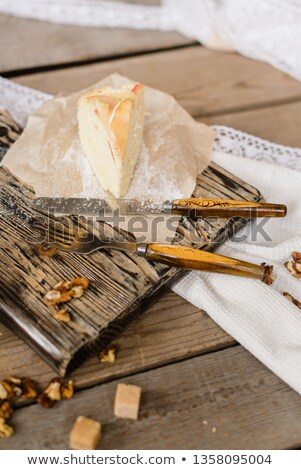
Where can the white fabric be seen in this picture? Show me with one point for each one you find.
(268, 30)
(256, 315)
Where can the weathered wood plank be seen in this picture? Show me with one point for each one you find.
(28, 44)
(213, 82)
(280, 124)
(248, 405)
(169, 330)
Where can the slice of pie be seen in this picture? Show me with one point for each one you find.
(111, 124)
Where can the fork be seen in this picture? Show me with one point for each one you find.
(83, 242)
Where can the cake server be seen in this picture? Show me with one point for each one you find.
(192, 207)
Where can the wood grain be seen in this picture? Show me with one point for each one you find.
(278, 123)
(263, 413)
(249, 407)
(204, 82)
(169, 330)
(122, 283)
(28, 44)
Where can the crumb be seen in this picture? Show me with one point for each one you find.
(108, 355)
(268, 278)
(292, 299)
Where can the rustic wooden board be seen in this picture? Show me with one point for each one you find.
(213, 82)
(122, 283)
(170, 330)
(249, 406)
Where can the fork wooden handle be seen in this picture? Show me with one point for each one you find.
(192, 258)
(206, 207)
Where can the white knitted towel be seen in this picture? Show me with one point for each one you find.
(256, 315)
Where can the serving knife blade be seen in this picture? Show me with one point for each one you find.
(193, 207)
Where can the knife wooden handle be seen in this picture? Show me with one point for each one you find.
(206, 207)
(191, 258)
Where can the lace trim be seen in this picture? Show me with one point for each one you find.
(241, 144)
(22, 101)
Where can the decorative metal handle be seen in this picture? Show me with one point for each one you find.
(206, 207)
(191, 258)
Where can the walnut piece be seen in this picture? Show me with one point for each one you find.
(296, 255)
(292, 299)
(53, 296)
(63, 291)
(67, 390)
(81, 282)
(51, 394)
(77, 291)
(29, 388)
(3, 392)
(5, 410)
(108, 355)
(294, 268)
(268, 278)
(7, 390)
(55, 391)
(16, 387)
(14, 380)
(5, 429)
(62, 315)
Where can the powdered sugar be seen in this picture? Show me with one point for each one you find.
(48, 154)
(147, 183)
(151, 184)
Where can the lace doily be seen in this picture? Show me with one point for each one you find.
(266, 30)
(242, 144)
(21, 101)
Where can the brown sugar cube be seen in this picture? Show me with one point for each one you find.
(127, 400)
(85, 434)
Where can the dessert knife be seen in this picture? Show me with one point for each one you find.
(192, 207)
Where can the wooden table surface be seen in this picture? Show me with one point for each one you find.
(190, 370)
